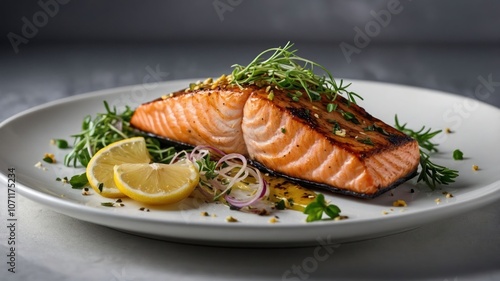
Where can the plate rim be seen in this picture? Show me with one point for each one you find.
(59, 205)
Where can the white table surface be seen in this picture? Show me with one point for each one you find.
(52, 246)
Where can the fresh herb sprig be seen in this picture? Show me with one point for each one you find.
(76, 181)
(285, 70)
(98, 132)
(422, 136)
(431, 173)
(106, 128)
(315, 209)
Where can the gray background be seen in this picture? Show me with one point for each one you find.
(92, 45)
(423, 21)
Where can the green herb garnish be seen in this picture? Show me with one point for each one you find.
(422, 136)
(336, 126)
(331, 107)
(107, 128)
(270, 96)
(48, 159)
(78, 181)
(60, 143)
(431, 173)
(376, 128)
(350, 117)
(458, 155)
(281, 205)
(366, 140)
(108, 204)
(285, 70)
(315, 209)
(117, 203)
(98, 132)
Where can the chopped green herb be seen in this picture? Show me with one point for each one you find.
(331, 107)
(458, 155)
(100, 187)
(295, 96)
(281, 205)
(117, 203)
(48, 159)
(336, 126)
(283, 130)
(315, 209)
(350, 117)
(78, 181)
(270, 96)
(63, 180)
(376, 128)
(60, 143)
(366, 140)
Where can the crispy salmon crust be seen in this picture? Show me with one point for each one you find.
(197, 118)
(345, 150)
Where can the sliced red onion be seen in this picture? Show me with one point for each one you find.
(230, 162)
(207, 148)
(178, 155)
(261, 192)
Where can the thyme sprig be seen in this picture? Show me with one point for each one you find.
(422, 136)
(285, 70)
(106, 128)
(431, 173)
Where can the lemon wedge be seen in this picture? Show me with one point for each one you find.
(100, 168)
(157, 183)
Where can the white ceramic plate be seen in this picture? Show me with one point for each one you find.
(25, 138)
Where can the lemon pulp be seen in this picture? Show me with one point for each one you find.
(157, 183)
(100, 167)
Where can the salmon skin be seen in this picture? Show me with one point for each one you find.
(336, 146)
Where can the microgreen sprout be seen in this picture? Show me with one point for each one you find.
(285, 70)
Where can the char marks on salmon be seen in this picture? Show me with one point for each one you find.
(339, 147)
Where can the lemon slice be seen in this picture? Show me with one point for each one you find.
(100, 167)
(157, 183)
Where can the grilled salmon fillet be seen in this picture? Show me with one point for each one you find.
(197, 118)
(339, 147)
